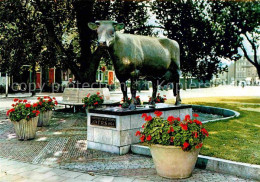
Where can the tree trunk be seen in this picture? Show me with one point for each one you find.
(89, 61)
(258, 70)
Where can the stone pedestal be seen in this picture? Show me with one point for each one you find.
(113, 129)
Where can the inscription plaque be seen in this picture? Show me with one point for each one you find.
(103, 121)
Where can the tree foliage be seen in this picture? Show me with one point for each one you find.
(235, 24)
(184, 22)
(56, 32)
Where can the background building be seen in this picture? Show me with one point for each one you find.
(239, 72)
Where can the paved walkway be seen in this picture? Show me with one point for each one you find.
(14, 171)
(59, 153)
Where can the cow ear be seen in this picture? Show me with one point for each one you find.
(119, 26)
(92, 26)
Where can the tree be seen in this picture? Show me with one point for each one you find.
(184, 22)
(21, 38)
(235, 24)
(61, 32)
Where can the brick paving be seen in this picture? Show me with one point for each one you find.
(59, 153)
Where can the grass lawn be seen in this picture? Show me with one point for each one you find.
(235, 139)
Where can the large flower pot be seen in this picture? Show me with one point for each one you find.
(173, 162)
(26, 130)
(44, 118)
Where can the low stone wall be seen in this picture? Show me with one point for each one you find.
(226, 113)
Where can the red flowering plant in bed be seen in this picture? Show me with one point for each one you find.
(127, 103)
(46, 103)
(158, 99)
(95, 100)
(22, 109)
(186, 134)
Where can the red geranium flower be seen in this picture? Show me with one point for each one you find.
(40, 103)
(149, 138)
(27, 105)
(98, 93)
(96, 103)
(15, 99)
(195, 134)
(195, 115)
(204, 132)
(142, 138)
(148, 118)
(187, 117)
(20, 100)
(137, 133)
(56, 103)
(143, 125)
(144, 115)
(35, 105)
(170, 119)
(158, 113)
(37, 113)
(24, 101)
(9, 111)
(185, 145)
(184, 126)
(171, 130)
(197, 122)
(172, 138)
(38, 98)
(199, 145)
(45, 97)
(88, 95)
(178, 119)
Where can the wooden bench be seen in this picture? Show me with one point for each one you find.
(72, 97)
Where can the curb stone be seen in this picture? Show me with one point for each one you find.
(244, 170)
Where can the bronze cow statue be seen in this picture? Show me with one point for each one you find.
(136, 56)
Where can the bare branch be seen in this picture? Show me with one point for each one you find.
(246, 55)
(254, 48)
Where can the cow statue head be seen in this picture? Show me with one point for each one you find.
(106, 31)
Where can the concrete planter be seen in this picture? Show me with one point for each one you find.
(26, 130)
(44, 118)
(173, 162)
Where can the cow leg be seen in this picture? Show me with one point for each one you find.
(124, 90)
(133, 93)
(176, 92)
(155, 88)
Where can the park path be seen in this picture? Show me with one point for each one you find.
(14, 171)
